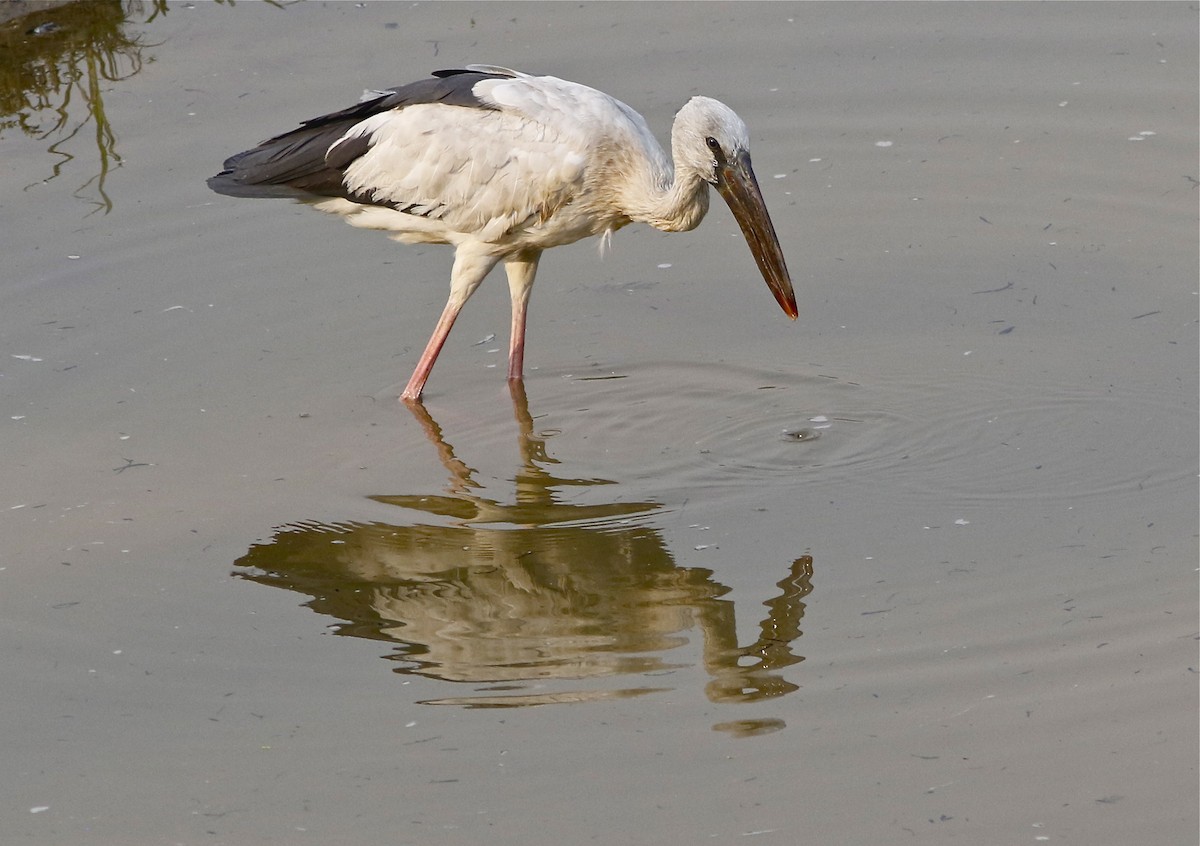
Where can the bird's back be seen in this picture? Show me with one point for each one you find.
(483, 153)
(295, 162)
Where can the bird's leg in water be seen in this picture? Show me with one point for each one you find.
(470, 266)
(417, 383)
(521, 269)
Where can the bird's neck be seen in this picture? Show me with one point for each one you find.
(681, 205)
(664, 192)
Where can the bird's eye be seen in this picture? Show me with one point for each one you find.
(718, 155)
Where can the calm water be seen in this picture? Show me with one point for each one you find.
(919, 566)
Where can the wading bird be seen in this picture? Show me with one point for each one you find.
(502, 165)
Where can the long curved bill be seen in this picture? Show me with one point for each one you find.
(736, 182)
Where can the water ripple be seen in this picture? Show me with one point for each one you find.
(686, 427)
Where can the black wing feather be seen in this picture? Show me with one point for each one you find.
(298, 163)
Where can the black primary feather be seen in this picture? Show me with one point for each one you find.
(298, 163)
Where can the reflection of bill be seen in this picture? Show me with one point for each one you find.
(539, 589)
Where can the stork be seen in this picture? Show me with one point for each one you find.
(502, 165)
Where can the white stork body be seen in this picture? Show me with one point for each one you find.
(502, 166)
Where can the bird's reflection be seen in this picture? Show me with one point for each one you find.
(517, 598)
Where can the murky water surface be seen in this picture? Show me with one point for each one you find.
(919, 566)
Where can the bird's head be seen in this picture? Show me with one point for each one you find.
(701, 122)
(711, 141)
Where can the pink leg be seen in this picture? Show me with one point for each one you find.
(417, 383)
(516, 343)
(521, 269)
(471, 263)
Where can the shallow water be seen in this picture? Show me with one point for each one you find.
(922, 564)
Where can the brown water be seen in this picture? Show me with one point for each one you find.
(920, 567)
